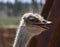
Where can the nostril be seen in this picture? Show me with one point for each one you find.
(44, 21)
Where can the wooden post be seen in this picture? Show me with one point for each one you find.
(46, 8)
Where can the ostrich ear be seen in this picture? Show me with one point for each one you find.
(25, 19)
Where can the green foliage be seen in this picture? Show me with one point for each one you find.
(9, 21)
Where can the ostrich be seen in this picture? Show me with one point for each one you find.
(29, 28)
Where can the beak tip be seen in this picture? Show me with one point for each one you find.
(49, 22)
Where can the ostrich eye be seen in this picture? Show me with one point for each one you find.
(31, 19)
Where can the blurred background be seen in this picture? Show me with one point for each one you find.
(11, 12)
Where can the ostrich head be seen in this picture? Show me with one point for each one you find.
(30, 20)
(35, 19)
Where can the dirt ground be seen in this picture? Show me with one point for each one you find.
(7, 36)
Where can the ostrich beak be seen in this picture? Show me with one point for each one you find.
(46, 22)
